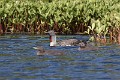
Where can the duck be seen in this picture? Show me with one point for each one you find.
(87, 46)
(83, 45)
(41, 51)
(67, 42)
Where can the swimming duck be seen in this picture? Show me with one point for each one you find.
(86, 46)
(42, 51)
(67, 42)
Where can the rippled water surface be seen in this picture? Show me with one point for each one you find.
(18, 60)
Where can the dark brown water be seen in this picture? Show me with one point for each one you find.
(18, 60)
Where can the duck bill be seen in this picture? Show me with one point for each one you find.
(51, 32)
(46, 32)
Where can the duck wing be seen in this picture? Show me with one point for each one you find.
(68, 42)
(54, 52)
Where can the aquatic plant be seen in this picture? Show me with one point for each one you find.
(97, 17)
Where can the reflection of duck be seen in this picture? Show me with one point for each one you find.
(67, 42)
(87, 46)
(42, 51)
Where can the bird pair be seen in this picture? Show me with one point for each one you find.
(68, 42)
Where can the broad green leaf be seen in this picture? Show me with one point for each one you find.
(93, 26)
(89, 27)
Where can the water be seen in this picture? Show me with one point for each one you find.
(18, 60)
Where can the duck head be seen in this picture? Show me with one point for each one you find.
(40, 50)
(82, 44)
(51, 32)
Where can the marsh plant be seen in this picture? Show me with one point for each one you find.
(98, 18)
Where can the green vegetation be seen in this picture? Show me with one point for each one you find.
(96, 17)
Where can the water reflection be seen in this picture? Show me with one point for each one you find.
(18, 61)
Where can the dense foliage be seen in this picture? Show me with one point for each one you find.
(97, 17)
